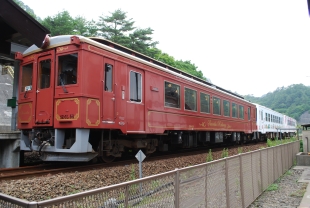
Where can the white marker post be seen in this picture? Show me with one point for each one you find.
(140, 157)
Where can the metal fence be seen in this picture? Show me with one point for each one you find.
(230, 182)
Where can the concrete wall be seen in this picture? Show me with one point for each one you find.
(306, 140)
(9, 149)
(6, 90)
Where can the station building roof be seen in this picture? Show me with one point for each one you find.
(18, 29)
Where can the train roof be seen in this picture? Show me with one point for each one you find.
(116, 48)
(261, 106)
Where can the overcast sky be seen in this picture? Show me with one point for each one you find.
(246, 46)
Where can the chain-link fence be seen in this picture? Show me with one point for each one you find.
(230, 182)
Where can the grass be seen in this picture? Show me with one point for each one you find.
(209, 156)
(275, 142)
(225, 153)
(273, 187)
(132, 173)
(300, 193)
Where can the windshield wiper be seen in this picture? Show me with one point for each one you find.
(62, 84)
(25, 94)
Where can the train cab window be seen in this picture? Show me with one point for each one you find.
(249, 113)
(190, 99)
(44, 73)
(216, 106)
(234, 110)
(67, 69)
(26, 77)
(241, 112)
(226, 105)
(204, 103)
(262, 115)
(108, 78)
(172, 95)
(135, 86)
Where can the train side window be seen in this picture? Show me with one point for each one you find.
(226, 108)
(216, 106)
(234, 110)
(108, 78)
(172, 95)
(249, 113)
(262, 115)
(44, 74)
(27, 77)
(204, 103)
(266, 114)
(241, 112)
(135, 86)
(67, 69)
(190, 99)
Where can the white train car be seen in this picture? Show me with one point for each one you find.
(272, 124)
(289, 126)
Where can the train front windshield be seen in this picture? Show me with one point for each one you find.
(67, 69)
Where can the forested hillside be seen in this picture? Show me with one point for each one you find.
(293, 100)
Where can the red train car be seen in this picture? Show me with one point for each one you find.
(85, 97)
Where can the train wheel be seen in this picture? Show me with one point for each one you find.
(107, 159)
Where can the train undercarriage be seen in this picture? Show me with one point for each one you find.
(87, 144)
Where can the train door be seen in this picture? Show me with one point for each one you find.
(45, 90)
(135, 104)
(108, 97)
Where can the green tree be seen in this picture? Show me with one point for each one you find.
(91, 29)
(80, 24)
(61, 24)
(116, 26)
(27, 9)
(140, 40)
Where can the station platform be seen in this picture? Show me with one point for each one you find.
(9, 149)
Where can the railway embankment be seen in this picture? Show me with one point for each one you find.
(52, 186)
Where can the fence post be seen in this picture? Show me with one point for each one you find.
(126, 196)
(274, 166)
(177, 189)
(227, 183)
(206, 187)
(261, 172)
(241, 181)
(32, 205)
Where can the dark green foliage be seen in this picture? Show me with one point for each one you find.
(301, 146)
(293, 100)
(61, 24)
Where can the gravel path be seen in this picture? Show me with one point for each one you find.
(286, 192)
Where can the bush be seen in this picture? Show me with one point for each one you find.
(301, 147)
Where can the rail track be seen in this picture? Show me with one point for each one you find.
(55, 168)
